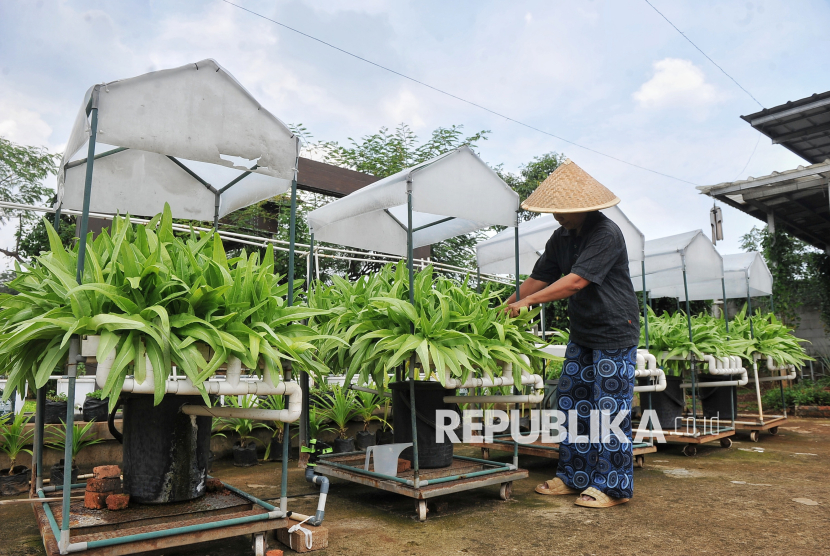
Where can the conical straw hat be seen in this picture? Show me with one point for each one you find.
(570, 189)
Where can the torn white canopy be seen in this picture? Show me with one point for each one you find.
(452, 194)
(496, 254)
(177, 136)
(668, 257)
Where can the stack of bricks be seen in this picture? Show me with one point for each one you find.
(104, 489)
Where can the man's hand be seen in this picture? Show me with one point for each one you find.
(514, 309)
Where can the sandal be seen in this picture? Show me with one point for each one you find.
(554, 487)
(600, 499)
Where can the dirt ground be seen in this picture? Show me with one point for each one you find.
(722, 501)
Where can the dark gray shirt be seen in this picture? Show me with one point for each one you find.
(604, 314)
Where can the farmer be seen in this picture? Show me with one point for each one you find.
(585, 261)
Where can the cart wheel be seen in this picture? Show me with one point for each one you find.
(689, 450)
(422, 510)
(725, 442)
(485, 453)
(640, 461)
(753, 436)
(259, 544)
(506, 490)
(773, 431)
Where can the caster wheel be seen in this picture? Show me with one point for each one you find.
(260, 546)
(753, 436)
(773, 431)
(725, 442)
(640, 461)
(485, 453)
(689, 450)
(421, 509)
(506, 490)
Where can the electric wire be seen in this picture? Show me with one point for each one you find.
(456, 97)
(702, 52)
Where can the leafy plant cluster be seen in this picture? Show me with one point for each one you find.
(154, 298)
(804, 393)
(761, 333)
(453, 330)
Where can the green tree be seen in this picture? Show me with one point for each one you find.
(22, 172)
(530, 176)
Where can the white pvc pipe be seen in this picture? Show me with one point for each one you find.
(233, 385)
(645, 358)
(532, 398)
(722, 366)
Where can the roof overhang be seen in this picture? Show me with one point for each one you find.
(796, 199)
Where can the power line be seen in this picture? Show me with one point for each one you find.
(702, 52)
(456, 97)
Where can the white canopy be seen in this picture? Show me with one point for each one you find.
(746, 273)
(667, 257)
(197, 113)
(456, 191)
(496, 254)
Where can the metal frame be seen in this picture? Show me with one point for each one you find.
(62, 533)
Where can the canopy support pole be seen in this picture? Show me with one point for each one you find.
(691, 339)
(40, 415)
(409, 263)
(74, 345)
(648, 345)
(726, 322)
(518, 296)
(725, 313)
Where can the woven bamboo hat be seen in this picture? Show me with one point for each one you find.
(570, 189)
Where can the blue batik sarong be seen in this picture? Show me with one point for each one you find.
(597, 379)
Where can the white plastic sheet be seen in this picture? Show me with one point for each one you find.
(665, 260)
(496, 254)
(746, 274)
(456, 185)
(197, 113)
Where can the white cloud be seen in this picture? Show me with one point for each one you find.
(405, 108)
(21, 125)
(676, 82)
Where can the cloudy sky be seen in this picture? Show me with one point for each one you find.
(611, 75)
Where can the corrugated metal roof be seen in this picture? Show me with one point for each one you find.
(802, 126)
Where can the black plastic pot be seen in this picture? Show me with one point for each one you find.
(364, 439)
(384, 437)
(549, 401)
(668, 404)
(429, 398)
(276, 450)
(244, 455)
(56, 474)
(165, 451)
(55, 412)
(16, 483)
(343, 445)
(95, 410)
(715, 401)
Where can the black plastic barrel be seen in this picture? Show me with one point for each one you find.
(668, 404)
(429, 398)
(716, 400)
(165, 451)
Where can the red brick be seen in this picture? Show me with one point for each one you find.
(404, 465)
(274, 553)
(214, 485)
(110, 486)
(118, 501)
(107, 472)
(95, 500)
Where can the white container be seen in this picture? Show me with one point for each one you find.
(83, 386)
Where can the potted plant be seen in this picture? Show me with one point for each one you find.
(55, 412)
(245, 447)
(95, 406)
(317, 422)
(15, 438)
(369, 402)
(339, 409)
(81, 438)
(384, 434)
